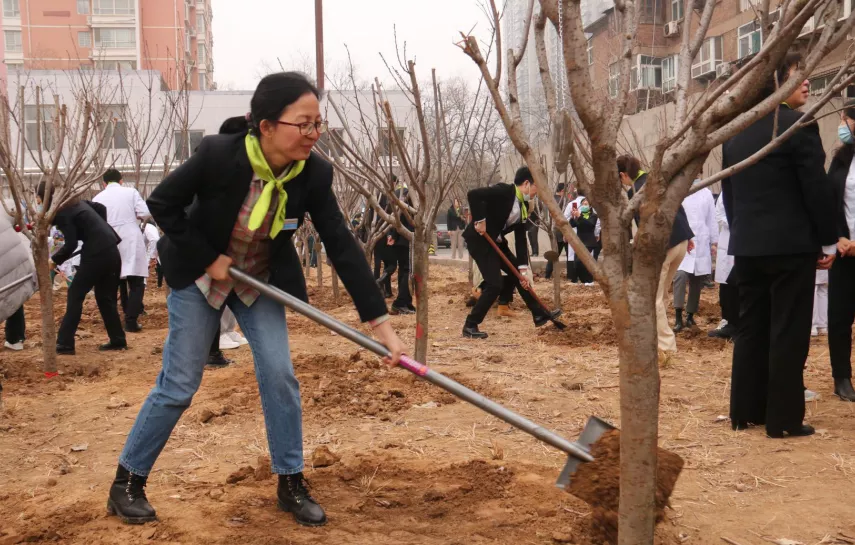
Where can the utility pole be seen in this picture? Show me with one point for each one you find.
(319, 42)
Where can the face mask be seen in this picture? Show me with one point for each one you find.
(845, 134)
(584, 209)
(526, 196)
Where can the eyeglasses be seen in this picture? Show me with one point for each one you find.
(307, 128)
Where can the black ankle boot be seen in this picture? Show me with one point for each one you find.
(127, 498)
(132, 326)
(690, 320)
(678, 323)
(843, 389)
(294, 497)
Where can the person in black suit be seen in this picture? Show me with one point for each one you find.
(841, 278)
(584, 219)
(498, 210)
(397, 257)
(99, 269)
(782, 228)
(248, 193)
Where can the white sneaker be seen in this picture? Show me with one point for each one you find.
(722, 323)
(237, 337)
(810, 395)
(227, 343)
(814, 332)
(589, 284)
(18, 346)
(822, 331)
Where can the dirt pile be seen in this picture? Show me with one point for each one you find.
(598, 483)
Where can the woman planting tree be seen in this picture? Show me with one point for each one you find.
(252, 190)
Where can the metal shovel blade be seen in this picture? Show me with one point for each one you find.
(551, 255)
(594, 429)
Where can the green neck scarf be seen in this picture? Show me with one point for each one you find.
(523, 208)
(640, 174)
(262, 170)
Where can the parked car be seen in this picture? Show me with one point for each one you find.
(443, 238)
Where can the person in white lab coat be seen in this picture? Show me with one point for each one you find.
(700, 210)
(728, 294)
(572, 273)
(125, 209)
(151, 234)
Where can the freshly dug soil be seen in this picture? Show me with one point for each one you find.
(598, 483)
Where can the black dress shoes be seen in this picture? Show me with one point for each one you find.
(800, 431)
(843, 389)
(544, 319)
(113, 346)
(64, 350)
(471, 332)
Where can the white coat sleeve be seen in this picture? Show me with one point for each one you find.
(598, 229)
(712, 223)
(720, 215)
(140, 207)
(567, 210)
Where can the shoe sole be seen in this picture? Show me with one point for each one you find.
(465, 336)
(282, 507)
(844, 398)
(112, 511)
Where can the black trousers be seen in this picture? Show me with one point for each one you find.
(491, 267)
(532, 232)
(772, 339)
(728, 299)
(131, 292)
(159, 270)
(398, 257)
(100, 272)
(16, 327)
(582, 273)
(841, 314)
(381, 252)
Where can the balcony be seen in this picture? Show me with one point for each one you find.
(111, 21)
(12, 23)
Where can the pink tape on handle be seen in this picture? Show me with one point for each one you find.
(412, 365)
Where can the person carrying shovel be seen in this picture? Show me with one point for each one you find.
(496, 211)
(250, 191)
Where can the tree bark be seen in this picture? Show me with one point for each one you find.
(421, 291)
(41, 255)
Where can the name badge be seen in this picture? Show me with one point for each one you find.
(290, 225)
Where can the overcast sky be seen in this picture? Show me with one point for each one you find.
(249, 34)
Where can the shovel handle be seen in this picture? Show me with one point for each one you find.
(516, 271)
(413, 366)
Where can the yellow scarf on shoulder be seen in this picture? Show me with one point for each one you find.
(271, 182)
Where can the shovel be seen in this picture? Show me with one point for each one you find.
(578, 451)
(521, 278)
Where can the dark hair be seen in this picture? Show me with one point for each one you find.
(274, 93)
(112, 175)
(523, 175)
(845, 152)
(780, 74)
(560, 187)
(629, 165)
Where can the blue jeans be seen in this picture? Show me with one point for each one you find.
(192, 326)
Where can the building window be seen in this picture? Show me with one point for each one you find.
(84, 39)
(11, 8)
(32, 114)
(747, 4)
(115, 7)
(669, 73)
(114, 126)
(614, 77)
(185, 145)
(750, 39)
(83, 7)
(203, 83)
(818, 86)
(115, 38)
(116, 65)
(201, 56)
(708, 59)
(676, 10)
(200, 23)
(649, 11)
(590, 51)
(13, 41)
(388, 148)
(646, 73)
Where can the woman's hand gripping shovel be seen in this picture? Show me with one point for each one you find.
(578, 452)
(552, 316)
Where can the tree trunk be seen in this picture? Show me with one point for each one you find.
(633, 306)
(41, 255)
(320, 261)
(335, 291)
(420, 289)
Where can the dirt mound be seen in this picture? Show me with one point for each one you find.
(582, 330)
(598, 483)
(334, 386)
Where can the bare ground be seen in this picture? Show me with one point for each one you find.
(416, 466)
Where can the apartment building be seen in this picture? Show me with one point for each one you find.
(735, 34)
(172, 37)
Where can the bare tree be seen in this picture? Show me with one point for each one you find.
(59, 138)
(629, 273)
